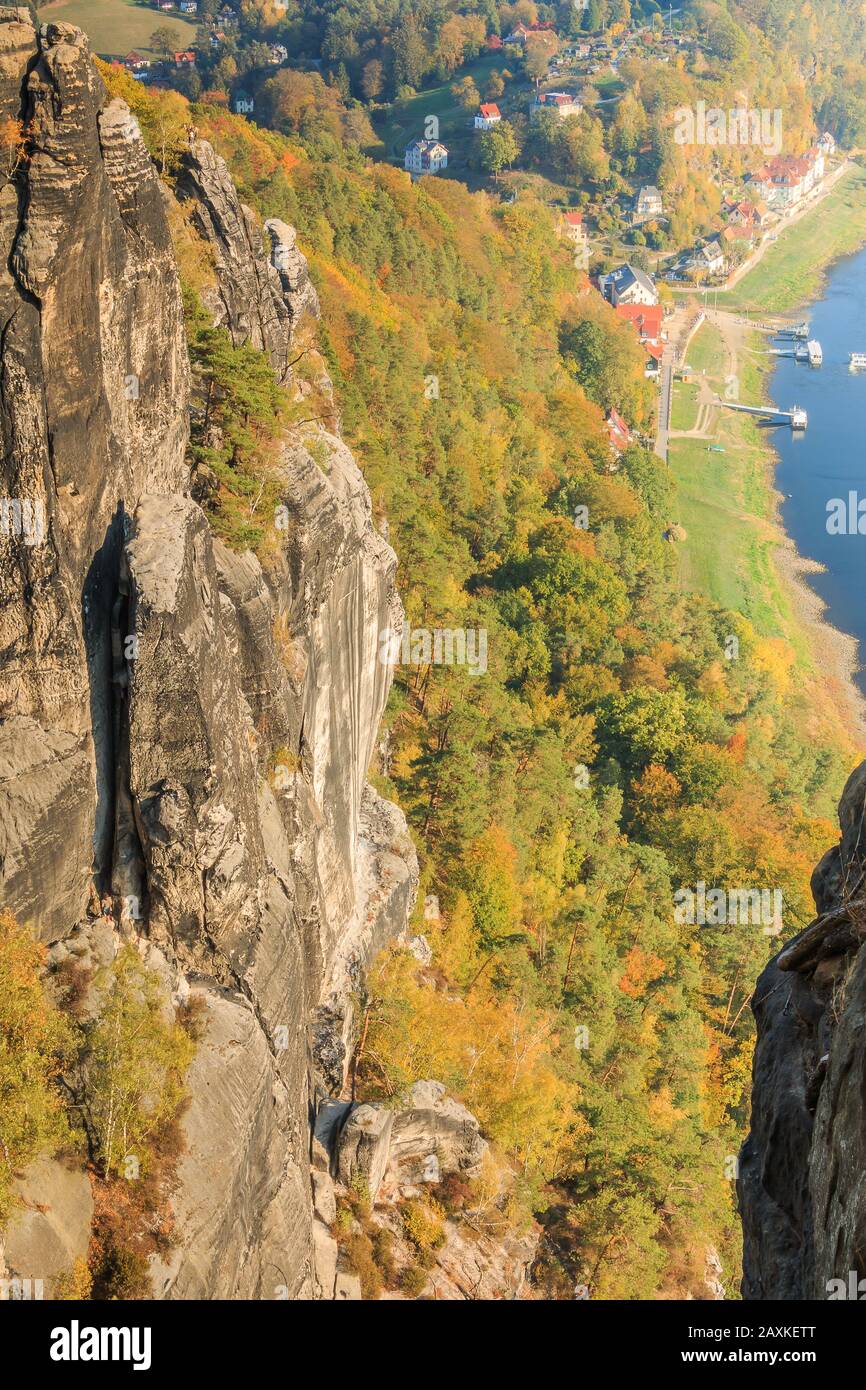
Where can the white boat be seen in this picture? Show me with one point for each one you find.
(857, 360)
(816, 356)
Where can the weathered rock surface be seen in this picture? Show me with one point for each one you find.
(185, 732)
(428, 1135)
(404, 1150)
(260, 296)
(50, 1229)
(92, 415)
(802, 1167)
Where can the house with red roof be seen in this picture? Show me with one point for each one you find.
(784, 181)
(646, 319)
(487, 116)
(561, 103)
(574, 228)
(618, 432)
(521, 32)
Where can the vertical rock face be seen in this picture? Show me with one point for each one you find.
(260, 295)
(93, 397)
(802, 1167)
(184, 733)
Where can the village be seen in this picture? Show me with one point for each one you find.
(531, 78)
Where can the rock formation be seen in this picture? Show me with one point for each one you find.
(396, 1154)
(185, 732)
(801, 1180)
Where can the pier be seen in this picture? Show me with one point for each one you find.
(796, 417)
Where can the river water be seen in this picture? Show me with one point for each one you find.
(828, 460)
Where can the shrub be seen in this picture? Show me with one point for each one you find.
(413, 1281)
(358, 1253)
(424, 1223)
(35, 1042)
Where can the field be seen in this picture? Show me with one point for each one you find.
(789, 273)
(684, 407)
(726, 505)
(116, 26)
(403, 121)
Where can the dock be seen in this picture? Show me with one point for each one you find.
(810, 352)
(796, 417)
(800, 330)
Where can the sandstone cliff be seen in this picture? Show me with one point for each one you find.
(802, 1166)
(153, 680)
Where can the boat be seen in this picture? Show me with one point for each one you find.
(857, 360)
(800, 330)
(799, 418)
(814, 352)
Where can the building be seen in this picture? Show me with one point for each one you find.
(573, 227)
(185, 59)
(648, 204)
(136, 60)
(826, 144)
(521, 32)
(188, 6)
(279, 54)
(425, 157)
(737, 236)
(746, 214)
(488, 115)
(783, 182)
(243, 104)
(628, 285)
(646, 319)
(707, 258)
(618, 432)
(562, 103)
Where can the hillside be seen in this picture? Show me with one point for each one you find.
(603, 758)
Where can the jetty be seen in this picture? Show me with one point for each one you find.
(810, 352)
(799, 330)
(796, 417)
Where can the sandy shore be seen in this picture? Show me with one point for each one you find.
(836, 654)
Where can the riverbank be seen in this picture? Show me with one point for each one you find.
(793, 269)
(736, 549)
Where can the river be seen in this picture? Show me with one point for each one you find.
(828, 460)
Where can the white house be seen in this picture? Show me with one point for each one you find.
(648, 204)
(573, 228)
(562, 103)
(628, 285)
(243, 104)
(488, 115)
(784, 181)
(710, 257)
(279, 54)
(425, 157)
(826, 144)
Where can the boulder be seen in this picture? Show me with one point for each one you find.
(364, 1147)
